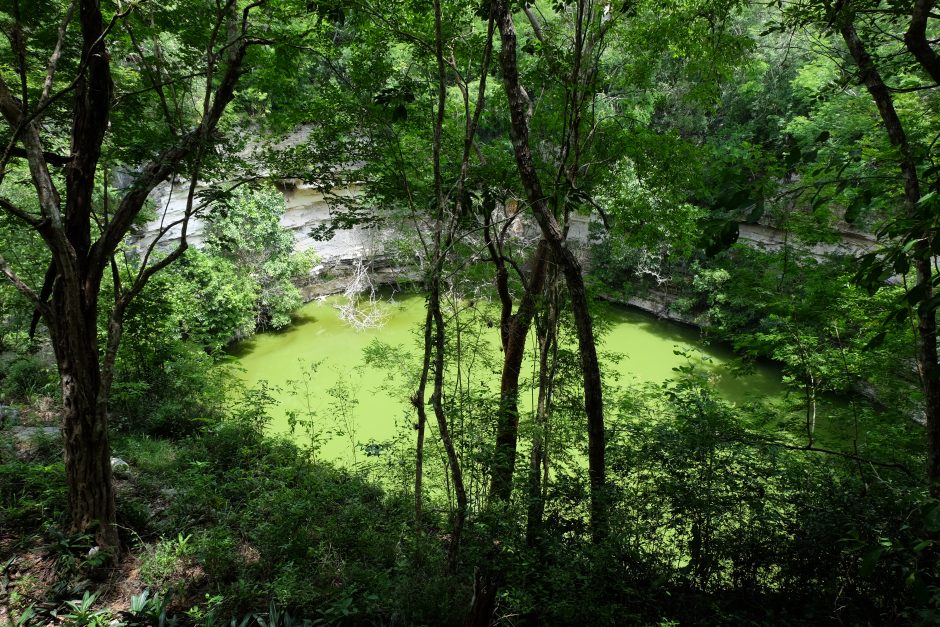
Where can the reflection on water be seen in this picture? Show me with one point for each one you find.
(650, 350)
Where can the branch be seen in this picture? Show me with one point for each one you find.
(50, 98)
(502, 277)
(15, 211)
(587, 197)
(146, 272)
(21, 286)
(155, 85)
(56, 52)
(167, 161)
(49, 200)
(23, 120)
(533, 20)
(60, 161)
(851, 456)
(916, 39)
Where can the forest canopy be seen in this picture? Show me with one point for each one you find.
(764, 173)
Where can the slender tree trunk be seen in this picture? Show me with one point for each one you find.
(519, 108)
(418, 402)
(437, 401)
(514, 329)
(548, 350)
(927, 356)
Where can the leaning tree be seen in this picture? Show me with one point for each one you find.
(93, 92)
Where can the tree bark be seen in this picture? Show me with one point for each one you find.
(85, 419)
(916, 39)
(538, 463)
(519, 106)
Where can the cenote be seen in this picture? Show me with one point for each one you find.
(350, 401)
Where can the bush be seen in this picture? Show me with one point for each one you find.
(27, 377)
(30, 493)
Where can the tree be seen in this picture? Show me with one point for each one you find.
(246, 230)
(870, 35)
(140, 89)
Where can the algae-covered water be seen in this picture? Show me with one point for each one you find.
(316, 368)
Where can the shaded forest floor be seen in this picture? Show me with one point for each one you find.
(229, 525)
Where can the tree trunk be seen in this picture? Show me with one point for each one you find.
(916, 39)
(514, 329)
(483, 603)
(519, 106)
(68, 302)
(84, 416)
(927, 356)
(437, 401)
(418, 401)
(548, 351)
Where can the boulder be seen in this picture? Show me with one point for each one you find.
(120, 468)
(9, 416)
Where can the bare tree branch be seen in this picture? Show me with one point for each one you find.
(15, 211)
(56, 53)
(20, 285)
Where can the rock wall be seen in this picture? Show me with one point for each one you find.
(771, 238)
(306, 209)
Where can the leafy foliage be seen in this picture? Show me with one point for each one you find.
(246, 231)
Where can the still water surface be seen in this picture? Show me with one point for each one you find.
(650, 349)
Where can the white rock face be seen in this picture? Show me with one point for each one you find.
(770, 238)
(306, 209)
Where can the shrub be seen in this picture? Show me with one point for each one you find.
(27, 377)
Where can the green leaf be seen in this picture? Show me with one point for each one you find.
(932, 520)
(902, 264)
(793, 156)
(854, 210)
(758, 211)
(876, 341)
(740, 198)
(870, 561)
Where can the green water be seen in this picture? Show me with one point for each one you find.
(647, 347)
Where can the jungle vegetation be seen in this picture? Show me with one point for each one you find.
(479, 132)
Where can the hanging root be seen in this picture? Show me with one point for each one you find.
(362, 309)
(651, 265)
